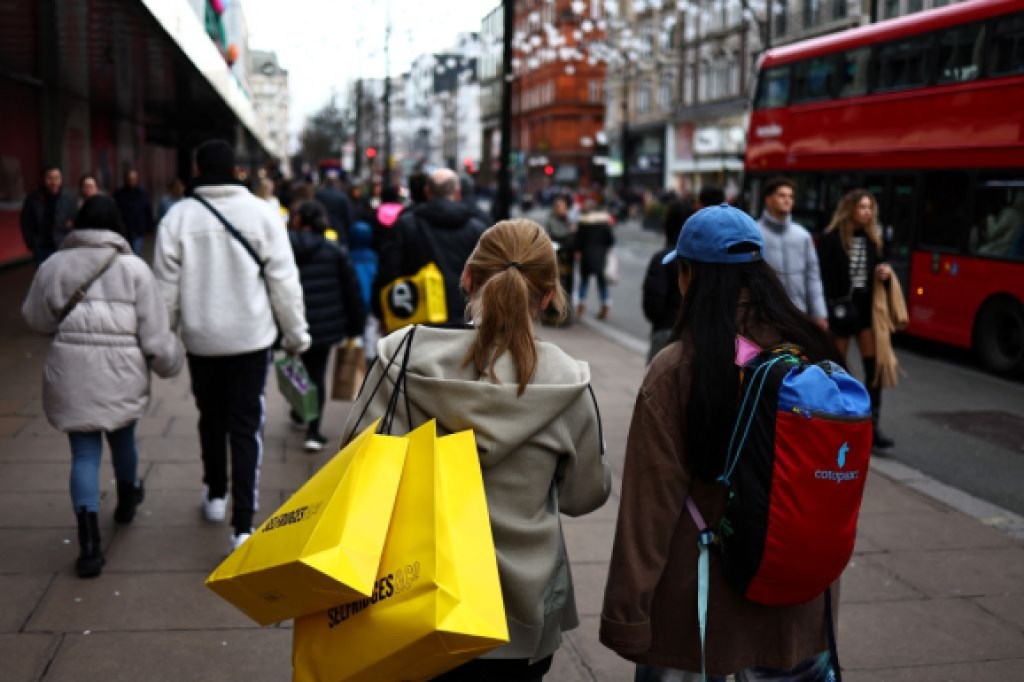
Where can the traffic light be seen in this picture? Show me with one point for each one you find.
(371, 152)
(549, 169)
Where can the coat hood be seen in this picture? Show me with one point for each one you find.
(445, 214)
(457, 396)
(95, 239)
(305, 244)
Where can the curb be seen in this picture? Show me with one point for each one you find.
(987, 513)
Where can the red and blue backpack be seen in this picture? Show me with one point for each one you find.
(795, 472)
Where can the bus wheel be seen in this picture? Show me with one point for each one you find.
(999, 336)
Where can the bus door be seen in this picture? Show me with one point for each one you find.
(895, 197)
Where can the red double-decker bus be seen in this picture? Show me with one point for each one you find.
(927, 112)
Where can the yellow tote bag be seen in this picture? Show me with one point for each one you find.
(437, 601)
(322, 546)
(419, 299)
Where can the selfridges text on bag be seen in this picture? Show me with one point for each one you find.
(438, 601)
(795, 471)
(323, 545)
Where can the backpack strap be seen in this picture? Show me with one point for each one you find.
(830, 631)
(705, 538)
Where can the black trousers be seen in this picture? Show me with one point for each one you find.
(315, 360)
(229, 392)
(498, 670)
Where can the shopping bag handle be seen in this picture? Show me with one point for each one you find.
(407, 343)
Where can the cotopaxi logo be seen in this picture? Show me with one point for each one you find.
(838, 476)
(292, 516)
(386, 587)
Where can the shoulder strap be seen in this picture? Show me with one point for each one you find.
(79, 293)
(600, 426)
(233, 230)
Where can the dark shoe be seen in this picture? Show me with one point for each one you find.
(879, 441)
(603, 314)
(90, 559)
(128, 498)
(295, 420)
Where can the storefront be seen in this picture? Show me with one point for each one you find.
(709, 153)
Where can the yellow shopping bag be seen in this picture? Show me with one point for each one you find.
(419, 299)
(437, 602)
(323, 546)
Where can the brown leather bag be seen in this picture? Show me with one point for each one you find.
(349, 372)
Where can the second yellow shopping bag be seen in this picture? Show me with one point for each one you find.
(437, 602)
(322, 546)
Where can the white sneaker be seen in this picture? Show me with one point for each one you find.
(214, 510)
(314, 444)
(238, 539)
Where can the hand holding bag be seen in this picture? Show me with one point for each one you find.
(297, 388)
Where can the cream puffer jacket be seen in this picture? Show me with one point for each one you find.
(97, 371)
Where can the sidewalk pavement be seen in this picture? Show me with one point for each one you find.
(931, 594)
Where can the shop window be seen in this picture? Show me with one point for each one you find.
(997, 229)
(959, 53)
(812, 13)
(1006, 51)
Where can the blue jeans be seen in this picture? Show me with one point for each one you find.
(814, 669)
(86, 453)
(602, 286)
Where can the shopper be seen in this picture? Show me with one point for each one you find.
(661, 297)
(536, 426)
(852, 261)
(594, 240)
(96, 381)
(332, 297)
(47, 215)
(227, 273)
(678, 440)
(136, 210)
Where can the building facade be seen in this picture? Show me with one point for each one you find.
(490, 74)
(268, 83)
(558, 93)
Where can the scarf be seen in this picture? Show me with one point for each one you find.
(888, 316)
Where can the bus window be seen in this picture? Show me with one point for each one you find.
(945, 221)
(998, 226)
(773, 88)
(853, 72)
(1006, 53)
(902, 64)
(814, 79)
(959, 54)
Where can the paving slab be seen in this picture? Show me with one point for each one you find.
(954, 573)
(12, 425)
(589, 541)
(200, 547)
(170, 449)
(21, 477)
(882, 496)
(589, 581)
(874, 636)
(602, 664)
(1009, 607)
(1004, 671)
(274, 475)
(214, 655)
(53, 448)
(865, 580)
(929, 530)
(124, 602)
(20, 594)
(24, 657)
(40, 550)
(567, 666)
(165, 508)
(153, 426)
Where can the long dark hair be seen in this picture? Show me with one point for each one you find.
(100, 213)
(708, 320)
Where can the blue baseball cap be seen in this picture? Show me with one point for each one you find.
(710, 232)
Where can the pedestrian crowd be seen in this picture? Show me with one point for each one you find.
(239, 273)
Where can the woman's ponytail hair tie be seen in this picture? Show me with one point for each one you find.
(514, 264)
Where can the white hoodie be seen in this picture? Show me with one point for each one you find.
(212, 286)
(540, 454)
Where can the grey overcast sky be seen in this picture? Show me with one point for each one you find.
(325, 44)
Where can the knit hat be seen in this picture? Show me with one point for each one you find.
(216, 158)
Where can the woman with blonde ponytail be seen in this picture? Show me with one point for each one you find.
(537, 430)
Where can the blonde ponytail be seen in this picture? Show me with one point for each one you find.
(511, 271)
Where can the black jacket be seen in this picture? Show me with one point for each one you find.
(594, 238)
(330, 290)
(835, 266)
(439, 231)
(339, 210)
(661, 297)
(136, 211)
(33, 217)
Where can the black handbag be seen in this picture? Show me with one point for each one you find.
(843, 318)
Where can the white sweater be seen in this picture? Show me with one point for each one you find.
(212, 286)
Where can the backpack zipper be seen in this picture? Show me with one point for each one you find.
(828, 416)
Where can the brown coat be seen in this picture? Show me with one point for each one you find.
(650, 604)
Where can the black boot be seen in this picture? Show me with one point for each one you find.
(90, 559)
(879, 441)
(129, 496)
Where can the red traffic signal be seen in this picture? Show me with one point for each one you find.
(549, 169)
(371, 152)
